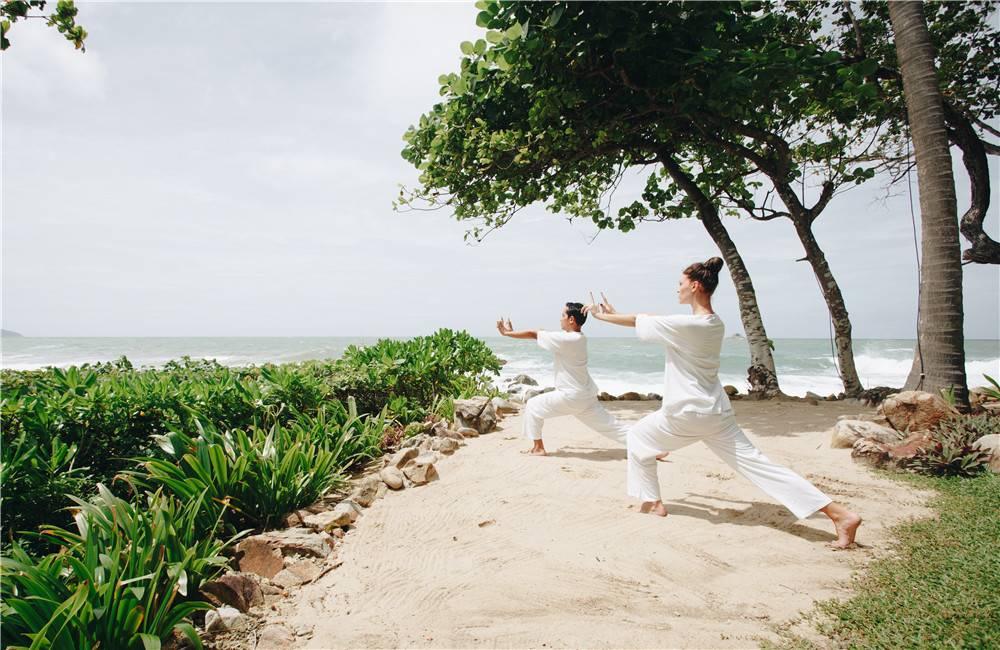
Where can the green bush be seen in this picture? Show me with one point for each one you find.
(258, 475)
(952, 451)
(125, 579)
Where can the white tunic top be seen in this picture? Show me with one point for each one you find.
(693, 344)
(570, 352)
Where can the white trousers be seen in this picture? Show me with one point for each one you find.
(657, 433)
(588, 411)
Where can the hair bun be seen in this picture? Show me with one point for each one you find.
(714, 264)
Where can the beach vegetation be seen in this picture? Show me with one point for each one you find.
(952, 448)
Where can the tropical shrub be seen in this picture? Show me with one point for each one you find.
(254, 477)
(124, 579)
(952, 451)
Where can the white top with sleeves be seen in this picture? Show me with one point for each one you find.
(570, 351)
(693, 344)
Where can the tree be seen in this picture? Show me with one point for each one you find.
(559, 99)
(940, 359)
(63, 19)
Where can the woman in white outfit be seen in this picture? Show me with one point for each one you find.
(575, 392)
(696, 408)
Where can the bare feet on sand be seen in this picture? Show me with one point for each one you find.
(845, 522)
(537, 449)
(653, 508)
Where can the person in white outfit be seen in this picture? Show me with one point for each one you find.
(575, 392)
(696, 408)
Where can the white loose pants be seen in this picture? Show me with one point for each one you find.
(587, 410)
(658, 432)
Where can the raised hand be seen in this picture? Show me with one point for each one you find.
(606, 306)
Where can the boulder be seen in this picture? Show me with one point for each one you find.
(653, 397)
(225, 619)
(524, 380)
(868, 451)
(606, 397)
(392, 476)
(453, 435)
(239, 590)
(304, 569)
(476, 413)
(446, 446)
(810, 394)
(327, 521)
(403, 456)
(991, 443)
(531, 392)
(286, 579)
(910, 446)
(468, 432)
(915, 410)
(421, 470)
(731, 390)
(630, 396)
(258, 555)
(846, 432)
(275, 637)
(503, 406)
(414, 442)
(366, 491)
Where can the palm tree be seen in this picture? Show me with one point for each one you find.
(939, 361)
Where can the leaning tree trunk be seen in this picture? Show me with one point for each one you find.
(835, 304)
(761, 374)
(984, 249)
(939, 361)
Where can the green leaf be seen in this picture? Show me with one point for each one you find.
(468, 48)
(514, 31)
(494, 36)
(483, 19)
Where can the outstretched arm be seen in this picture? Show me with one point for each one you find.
(506, 329)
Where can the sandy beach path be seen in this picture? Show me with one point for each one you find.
(512, 551)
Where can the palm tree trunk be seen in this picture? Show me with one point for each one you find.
(761, 374)
(939, 361)
(835, 304)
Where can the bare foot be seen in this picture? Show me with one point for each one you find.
(846, 524)
(537, 449)
(653, 508)
(662, 457)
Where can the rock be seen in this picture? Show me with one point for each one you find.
(731, 390)
(653, 397)
(874, 453)
(286, 579)
(295, 518)
(811, 401)
(812, 395)
(275, 637)
(468, 432)
(258, 555)
(915, 410)
(991, 443)
(302, 629)
(503, 406)
(453, 435)
(524, 380)
(606, 397)
(531, 392)
(421, 470)
(445, 445)
(225, 618)
(476, 413)
(304, 569)
(910, 446)
(327, 521)
(239, 590)
(846, 432)
(347, 512)
(414, 442)
(392, 476)
(366, 491)
(630, 396)
(403, 456)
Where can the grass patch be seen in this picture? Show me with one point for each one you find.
(940, 588)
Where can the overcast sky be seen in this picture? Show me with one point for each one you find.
(228, 170)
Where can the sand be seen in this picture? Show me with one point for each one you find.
(512, 551)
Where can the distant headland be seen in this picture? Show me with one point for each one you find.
(9, 333)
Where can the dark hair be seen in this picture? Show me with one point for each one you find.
(575, 311)
(705, 273)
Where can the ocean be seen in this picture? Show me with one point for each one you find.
(617, 364)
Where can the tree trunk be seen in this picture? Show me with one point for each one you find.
(984, 249)
(939, 362)
(761, 374)
(834, 303)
